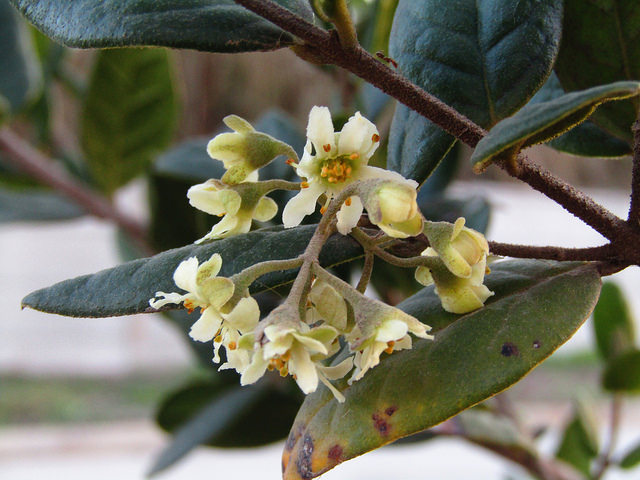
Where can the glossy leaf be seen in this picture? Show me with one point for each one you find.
(485, 58)
(631, 459)
(128, 114)
(612, 322)
(579, 445)
(30, 205)
(20, 77)
(127, 288)
(540, 122)
(600, 45)
(622, 373)
(537, 306)
(209, 25)
(585, 139)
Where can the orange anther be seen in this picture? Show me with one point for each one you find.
(375, 137)
(322, 210)
(232, 346)
(347, 202)
(354, 156)
(327, 147)
(290, 161)
(304, 185)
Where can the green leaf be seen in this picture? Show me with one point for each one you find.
(537, 306)
(128, 114)
(586, 139)
(20, 77)
(541, 122)
(30, 205)
(612, 322)
(127, 288)
(579, 445)
(600, 45)
(631, 458)
(215, 417)
(622, 373)
(485, 58)
(209, 25)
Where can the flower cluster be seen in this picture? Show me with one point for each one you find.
(460, 275)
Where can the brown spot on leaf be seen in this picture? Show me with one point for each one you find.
(303, 462)
(335, 453)
(509, 349)
(380, 424)
(291, 441)
(391, 410)
(536, 344)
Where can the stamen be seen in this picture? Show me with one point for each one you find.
(389, 348)
(354, 156)
(188, 304)
(322, 210)
(347, 202)
(327, 147)
(304, 185)
(232, 346)
(218, 338)
(375, 138)
(290, 161)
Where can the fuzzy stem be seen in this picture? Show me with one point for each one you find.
(411, 262)
(367, 270)
(344, 25)
(30, 161)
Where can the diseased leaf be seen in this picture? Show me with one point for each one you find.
(600, 45)
(541, 122)
(579, 445)
(537, 306)
(585, 139)
(622, 373)
(128, 114)
(612, 322)
(127, 288)
(29, 205)
(20, 76)
(209, 25)
(485, 58)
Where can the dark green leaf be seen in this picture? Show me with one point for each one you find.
(30, 205)
(126, 289)
(586, 139)
(612, 322)
(19, 72)
(227, 408)
(622, 373)
(189, 162)
(631, 458)
(537, 306)
(442, 176)
(128, 114)
(541, 122)
(485, 58)
(600, 45)
(579, 445)
(209, 25)
(476, 210)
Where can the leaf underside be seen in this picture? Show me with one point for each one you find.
(537, 306)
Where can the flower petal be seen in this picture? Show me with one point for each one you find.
(304, 369)
(265, 210)
(320, 131)
(303, 204)
(225, 227)
(357, 136)
(391, 330)
(349, 215)
(186, 273)
(207, 325)
(255, 370)
(245, 316)
(168, 298)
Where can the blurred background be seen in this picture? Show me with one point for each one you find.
(79, 397)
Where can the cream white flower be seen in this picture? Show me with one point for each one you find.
(211, 293)
(393, 206)
(330, 162)
(238, 205)
(391, 334)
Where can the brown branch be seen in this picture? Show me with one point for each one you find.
(561, 254)
(325, 47)
(634, 208)
(33, 163)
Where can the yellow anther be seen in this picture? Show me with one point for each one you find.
(218, 338)
(286, 356)
(333, 180)
(232, 346)
(284, 372)
(304, 185)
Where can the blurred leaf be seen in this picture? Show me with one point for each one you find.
(190, 162)
(622, 373)
(20, 77)
(31, 205)
(127, 288)
(586, 139)
(540, 122)
(612, 322)
(631, 459)
(537, 306)
(209, 25)
(476, 210)
(442, 176)
(485, 58)
(579, 445)
(600, 45)
(128, 114)
(206, 423)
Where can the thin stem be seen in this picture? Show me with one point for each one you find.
(615, 417)
(276, 184)
(410, 262)
(344, 25)
(367, 270)
(246, 277)
(634, 209)
(30, 161)
(326, 48)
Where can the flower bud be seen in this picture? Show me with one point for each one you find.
(392, 206)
